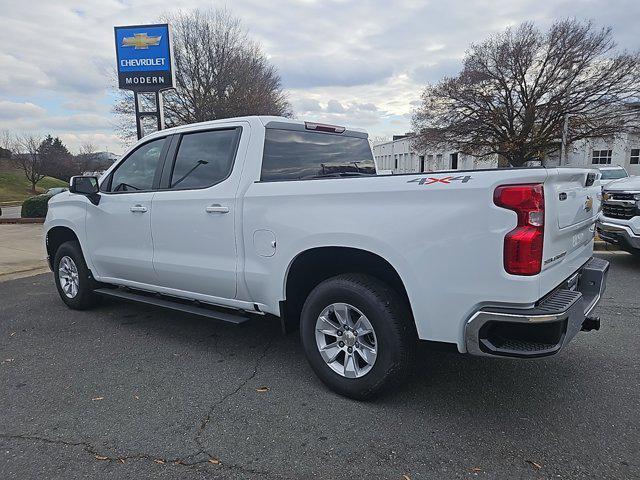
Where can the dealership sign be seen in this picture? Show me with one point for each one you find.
(145, 60)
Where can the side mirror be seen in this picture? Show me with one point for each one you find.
(85, 186)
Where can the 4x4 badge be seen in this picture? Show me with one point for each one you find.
(446, 180)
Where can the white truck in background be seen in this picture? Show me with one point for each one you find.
(619, 222)
(255, 216)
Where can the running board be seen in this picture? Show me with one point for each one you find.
(178, 305)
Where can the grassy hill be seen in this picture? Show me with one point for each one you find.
(14, 187)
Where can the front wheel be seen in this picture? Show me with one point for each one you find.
(357, 334)
(73, 279)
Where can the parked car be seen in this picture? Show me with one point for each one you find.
(619, 222)
(241, 218)
(55, 191)
(609, 173)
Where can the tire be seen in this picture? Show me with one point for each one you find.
(82, 297)
(393, 336)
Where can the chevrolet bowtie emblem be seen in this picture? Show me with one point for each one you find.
(588, 204)
(141, 41)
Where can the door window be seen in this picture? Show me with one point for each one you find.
(204, 158)
(136, 173)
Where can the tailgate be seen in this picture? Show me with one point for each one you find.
(571, 208)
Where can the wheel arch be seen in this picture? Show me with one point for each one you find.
(55, 237)
(315, 264)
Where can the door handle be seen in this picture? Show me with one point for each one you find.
(216, 208)
(138, 208)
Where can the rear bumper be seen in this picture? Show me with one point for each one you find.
(621, 235)
(544, 329)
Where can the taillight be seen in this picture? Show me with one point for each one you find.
(523, 245)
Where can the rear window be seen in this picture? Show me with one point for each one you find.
(295, 155)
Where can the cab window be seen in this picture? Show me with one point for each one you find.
(204, 158)
(295, 155)
(137, 171)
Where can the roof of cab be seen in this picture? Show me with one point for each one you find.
(262, 119)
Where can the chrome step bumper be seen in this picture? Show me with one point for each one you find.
(544, 329)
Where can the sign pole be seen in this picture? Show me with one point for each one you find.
(160, 110)
(138, 116)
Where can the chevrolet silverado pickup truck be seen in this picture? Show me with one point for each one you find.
(265, 216)
(619, 222)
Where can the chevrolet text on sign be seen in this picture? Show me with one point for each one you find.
(144, 56)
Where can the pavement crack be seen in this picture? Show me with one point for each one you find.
(224, 398)
(95, 451)
(202, 457)
(185, 461)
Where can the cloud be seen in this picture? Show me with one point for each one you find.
(353, 63)
(17, 110)
(334, 106)
(322, 71)
(20, 76)
(432, 73)
(306, 105)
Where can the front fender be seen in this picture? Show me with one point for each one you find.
(69, 211)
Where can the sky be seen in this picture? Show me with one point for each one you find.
(355, 63)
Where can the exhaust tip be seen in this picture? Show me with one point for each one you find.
(590, 323)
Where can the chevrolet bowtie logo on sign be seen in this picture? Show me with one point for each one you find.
(141, 41)
(145, 62)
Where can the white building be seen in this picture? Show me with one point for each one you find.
(399, 156)
(623, 150)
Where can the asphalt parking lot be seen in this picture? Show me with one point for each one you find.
(125, 391)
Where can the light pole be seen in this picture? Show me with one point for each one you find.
(565, 134)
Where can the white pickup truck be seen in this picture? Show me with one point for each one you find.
(619, 222)
(255, 216)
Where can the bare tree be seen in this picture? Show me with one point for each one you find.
(7, 144)
(88, 153)
(87, 157)
(29, 159)
(220, 73)
(87, 149)
(516, 90)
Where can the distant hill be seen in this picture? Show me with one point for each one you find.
(14, 187)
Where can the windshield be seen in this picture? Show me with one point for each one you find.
(613, 174)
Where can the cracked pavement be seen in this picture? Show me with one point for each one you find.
(127, 391)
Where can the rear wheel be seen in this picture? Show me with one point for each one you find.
(357, 334)
(73, 279)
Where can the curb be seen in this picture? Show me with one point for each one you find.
(28, 272)
(5, 221)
